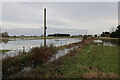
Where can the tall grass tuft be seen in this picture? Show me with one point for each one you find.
(40, 55)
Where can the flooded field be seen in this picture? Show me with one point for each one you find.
(29, 63)
(17, 46)
(104, 43)
(61, 53)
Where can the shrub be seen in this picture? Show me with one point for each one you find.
(37, 56)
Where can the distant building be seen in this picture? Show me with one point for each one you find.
(5, 34)
(59, 35)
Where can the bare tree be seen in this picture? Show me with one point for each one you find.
(112, 29)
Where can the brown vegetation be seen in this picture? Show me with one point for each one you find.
(36, 56)
(93, 74)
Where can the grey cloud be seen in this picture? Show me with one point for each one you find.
(17, 12)
(39, 31)
(56, 22)
(91, 16)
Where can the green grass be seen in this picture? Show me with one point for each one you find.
(106, 38)
(105, 58)
(7, 40)
(102, 57)
(3, 51)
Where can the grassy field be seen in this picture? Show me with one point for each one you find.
(4, 51)
(106, 38)
(100, 61)
(89, 60)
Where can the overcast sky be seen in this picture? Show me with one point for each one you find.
(62, 17)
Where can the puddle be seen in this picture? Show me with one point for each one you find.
(105, 43)
(108, 44)
(26, 69)
(98, 41)
(61, 53)
(90, 48)
(15, 52)
(58, 54)
(57, 42)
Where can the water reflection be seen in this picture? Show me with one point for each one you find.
(57, 55)
(10, 45)
(108, 44)
(17, 46)
(105, 43)
(61, 53)
(5, 41)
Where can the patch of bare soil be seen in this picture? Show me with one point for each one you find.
(94, 74)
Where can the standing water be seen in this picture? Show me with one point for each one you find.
(17, 46)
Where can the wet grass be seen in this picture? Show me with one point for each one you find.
(6, 40)
(109, 39)
(99, 62)
(57, 68)
(103, 57)
(3, 51)
(87, 61)
(106, 38)
(37, 56)
(100, 59)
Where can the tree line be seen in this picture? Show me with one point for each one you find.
(116, 34)
(113, 34)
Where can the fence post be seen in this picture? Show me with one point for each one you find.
(23, 49)
(61, 43)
